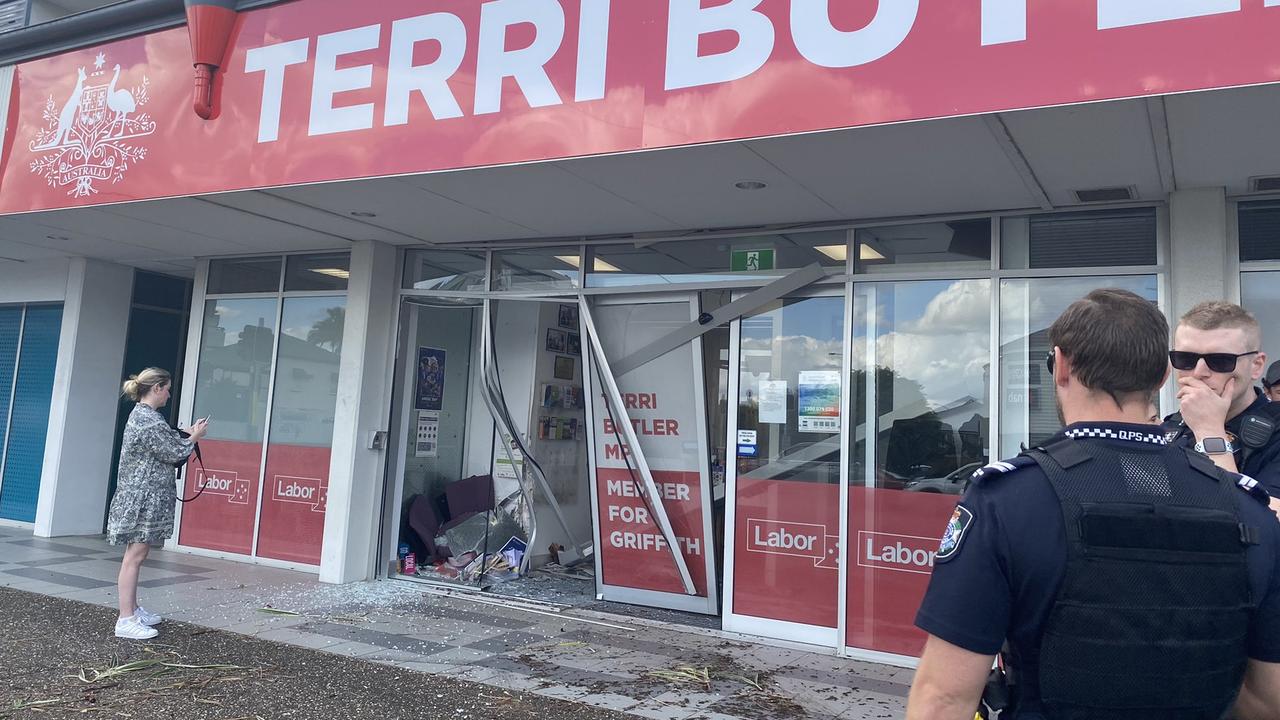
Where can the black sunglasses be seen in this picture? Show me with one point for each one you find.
(1048, 361)
(1217, 362)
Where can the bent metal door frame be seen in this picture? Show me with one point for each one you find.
(596, 361)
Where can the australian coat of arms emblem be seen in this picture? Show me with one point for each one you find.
(93, 135)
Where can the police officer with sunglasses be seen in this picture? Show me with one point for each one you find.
(1117, 577)
(1217, 358)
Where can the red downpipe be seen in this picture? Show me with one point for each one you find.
(211, 24)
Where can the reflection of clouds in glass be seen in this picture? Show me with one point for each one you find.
(964, 305)
(799, 352)
(947, 349)
(1029, 306)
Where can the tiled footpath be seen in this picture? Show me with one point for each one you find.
(604, 660)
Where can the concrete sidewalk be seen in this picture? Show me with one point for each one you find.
(640, 668)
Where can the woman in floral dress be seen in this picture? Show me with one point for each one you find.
(142, 510)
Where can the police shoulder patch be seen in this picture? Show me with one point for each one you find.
(953, 536)
(1000, 468)
(1254, 489)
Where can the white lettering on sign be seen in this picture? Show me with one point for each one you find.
(1004, 21)
(293, 490)
(1124, 13)
(651, 542)
(783, 540)
(593, 50)
(302, 490)
(802, 540)
(688, 21)
(494, 62)
(629, 514)
(904, 553)
(216, 484)
(822, 44)
(271, 61)
(431, 80)
(328, 81)
(668, 491)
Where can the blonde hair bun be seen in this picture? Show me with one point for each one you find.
(138, 386)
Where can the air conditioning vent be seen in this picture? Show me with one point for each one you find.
(1265, 184)
(1110, 194)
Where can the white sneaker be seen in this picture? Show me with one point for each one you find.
(146, 617)
(131, 628)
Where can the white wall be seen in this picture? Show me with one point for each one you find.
(86, 391)
(1198, 261)
(33, 281)
(356, 472)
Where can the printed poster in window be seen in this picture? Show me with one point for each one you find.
(773, 402)
(429, 389)
(818, 404)
(427, 442)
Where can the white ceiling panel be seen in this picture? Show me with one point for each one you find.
(546, 198)
(1225, 137)
(915, 168)
(248, 231)
(694, 186)
(1088, 146)
(106, 225)
(48, 240)
(270, 204)
(415, 215)
(11, 250)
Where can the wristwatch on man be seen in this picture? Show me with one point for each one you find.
(1215, 446)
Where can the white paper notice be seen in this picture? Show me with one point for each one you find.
(427, 443)
(773, 402)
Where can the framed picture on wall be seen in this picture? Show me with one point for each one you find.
(556, 340)
(574, 345)
(564, 367)
(569, 317)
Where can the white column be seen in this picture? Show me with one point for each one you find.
(1198, 257)
(364, 401)
(86, 393)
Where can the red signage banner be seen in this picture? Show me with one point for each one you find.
(787, 562)
(894, 535)
(294, 503)
(318, 90)
(222, 518)
(635, 551)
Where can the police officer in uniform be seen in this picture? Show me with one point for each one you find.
(1271, 382)
(1217, 356)
(1117, 575)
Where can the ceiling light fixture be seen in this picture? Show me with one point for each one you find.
(597, 265)
(866, 252)
(839, 253)
(362, 214)
(750, 185)
(333, 272)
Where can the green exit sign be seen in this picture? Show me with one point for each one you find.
(751, 260)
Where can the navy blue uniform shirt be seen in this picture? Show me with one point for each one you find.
(1263, 464)
(999, 578)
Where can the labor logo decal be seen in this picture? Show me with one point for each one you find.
(92, 136)
(960, 521)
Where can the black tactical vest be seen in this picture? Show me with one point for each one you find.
(1152, 617)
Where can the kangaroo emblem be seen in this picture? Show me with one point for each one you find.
(96, 135)
(68, 115)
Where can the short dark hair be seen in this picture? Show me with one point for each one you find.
(1118, 342)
